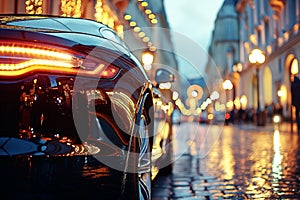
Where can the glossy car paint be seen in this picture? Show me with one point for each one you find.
(69, 132)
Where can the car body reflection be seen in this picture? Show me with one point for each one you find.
(77, 116)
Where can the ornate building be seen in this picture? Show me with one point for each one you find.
(225, 38)
(224, 52)
(273, 27)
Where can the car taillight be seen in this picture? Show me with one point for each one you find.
(18, 58)
(109, 72)
(227, 116)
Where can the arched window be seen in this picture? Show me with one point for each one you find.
(268, 86)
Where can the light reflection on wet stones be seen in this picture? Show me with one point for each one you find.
(256, 173)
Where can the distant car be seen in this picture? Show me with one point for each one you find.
(203, 118)
(219, 117)
(77, 117)
(162, 150)
(227, 118)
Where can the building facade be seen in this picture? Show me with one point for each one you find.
(273, 27)
(223, 54)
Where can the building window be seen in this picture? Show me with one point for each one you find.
(266, 7)
(279, 65)
(258, 12)
(291, 11)
(267, 33)
(259, 40)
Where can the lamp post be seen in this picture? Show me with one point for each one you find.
(227, 85)
(257, 57)
(147, 59)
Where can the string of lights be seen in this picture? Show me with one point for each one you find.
(34, 6)
(104, 15)
(144, 6)
(71, 8)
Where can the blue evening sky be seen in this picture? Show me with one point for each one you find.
(193, 19)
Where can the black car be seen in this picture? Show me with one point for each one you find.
(77, 117)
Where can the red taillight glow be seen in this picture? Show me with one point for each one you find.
(17, 59)
(109, 72)
(227, 116)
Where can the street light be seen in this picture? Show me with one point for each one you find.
(257, 57)
(227, 86)
(244, 102)
(147, 59)
(175, 95)
(237, 67)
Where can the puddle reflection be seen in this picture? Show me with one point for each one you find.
(261, 162)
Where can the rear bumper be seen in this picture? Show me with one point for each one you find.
(44, 154)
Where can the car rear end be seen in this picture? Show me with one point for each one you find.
(51, 90)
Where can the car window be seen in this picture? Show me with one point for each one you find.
(87, 40)
(111, 35)
(39, 23)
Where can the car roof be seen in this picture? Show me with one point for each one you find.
(53, 23)
(79, 30)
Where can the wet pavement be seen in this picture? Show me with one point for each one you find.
(232, 162)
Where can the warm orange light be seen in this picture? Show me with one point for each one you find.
(257, 56)
(283, 94)
(18, 59)
(34, 6)
(137, 29)
(154, 21)
(294, 67)
(144, 4)
(151, 16)
(142, 34)
(227, 85)
(32, 56)
(210, 116)
(148, 11)
(244, 101)
(33, 52)
(152, 48)
(147, 58)
(127, 17)
(71, 8)
(14, 70)
(109, 72)
(146, 39)
(132, 23)
(40, 68)
(22, 65)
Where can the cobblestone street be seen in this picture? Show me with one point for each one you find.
(232, 162)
